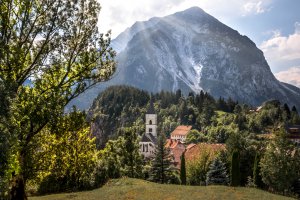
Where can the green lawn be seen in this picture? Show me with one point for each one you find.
(126, 188)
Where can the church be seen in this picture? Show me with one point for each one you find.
(149, 138)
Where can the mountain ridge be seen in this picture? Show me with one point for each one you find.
(192, 51)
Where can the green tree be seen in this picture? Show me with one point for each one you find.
(50, 52)
(132, 160)
(198, 168)
(235, 169)
(295, 117)
(204, 119)
(74, 163)
(194, 136)
(257, 179)
(161, 170)
(280, 163)
(217, 173)
(110, 158)
(183, 170)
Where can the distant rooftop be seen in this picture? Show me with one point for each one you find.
(181, 130)
(148, 137)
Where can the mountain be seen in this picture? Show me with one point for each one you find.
(193, 51)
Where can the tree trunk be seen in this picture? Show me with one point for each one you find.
(18, 183)
(18, 188)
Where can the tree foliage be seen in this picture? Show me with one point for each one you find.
(257, 179)
(161, 170)
(280, 164)
(50, 52)
(194, 136)
(217, 173)
(132, 160)
(183, 170)
(235, 169)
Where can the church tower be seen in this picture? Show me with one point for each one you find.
(151, 120)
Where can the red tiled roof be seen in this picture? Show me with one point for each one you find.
(176, 150)
(190, 146)
(172, 143)
(196, 150)
(181, 130)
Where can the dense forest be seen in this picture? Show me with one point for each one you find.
(215, 118)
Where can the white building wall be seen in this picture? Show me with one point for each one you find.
(147, 149)
(181, 138)
(151, 123)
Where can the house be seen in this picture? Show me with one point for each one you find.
(149, 138)
(195, 151)
(293, 133)
(176, 150)
(180, 133)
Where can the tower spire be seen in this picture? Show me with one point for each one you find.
(151, 109)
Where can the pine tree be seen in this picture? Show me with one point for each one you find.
(183, 170)
(217, 174)
(235, 169)
(256, 172)
(295, 118)
(287, 111)
(161, 170)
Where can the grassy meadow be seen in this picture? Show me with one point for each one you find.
(129, 189)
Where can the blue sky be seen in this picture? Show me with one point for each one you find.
(274, 25)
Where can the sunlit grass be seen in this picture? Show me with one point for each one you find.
(126, 188)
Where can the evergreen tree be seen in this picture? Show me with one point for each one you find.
(295, 118)
(217, 174)
(286, 112)
(183, 170)
(256, 172)
(204, 119)
(161, 170)
(235, 169)
(294, 109)
(132, 158)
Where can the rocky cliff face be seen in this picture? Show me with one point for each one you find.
(193, 51)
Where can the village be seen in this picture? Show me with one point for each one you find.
(176, 143)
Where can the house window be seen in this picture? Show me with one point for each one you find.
(150, 122)
(150, 130)
(146, 147)
(143, 148)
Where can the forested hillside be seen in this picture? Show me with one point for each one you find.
(124, 106)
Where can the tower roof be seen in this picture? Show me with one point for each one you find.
(151, 109)
(148, 137)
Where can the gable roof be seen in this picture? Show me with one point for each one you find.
(181, 130)
(190, 146)
(195, 151)
(148, 137)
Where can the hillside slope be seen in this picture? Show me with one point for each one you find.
(138, 189)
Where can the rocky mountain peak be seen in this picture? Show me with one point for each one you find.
(193, 51)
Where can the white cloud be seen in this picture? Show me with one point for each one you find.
(283, 48)
(119, 14)
(255, 7)
(292, 76)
